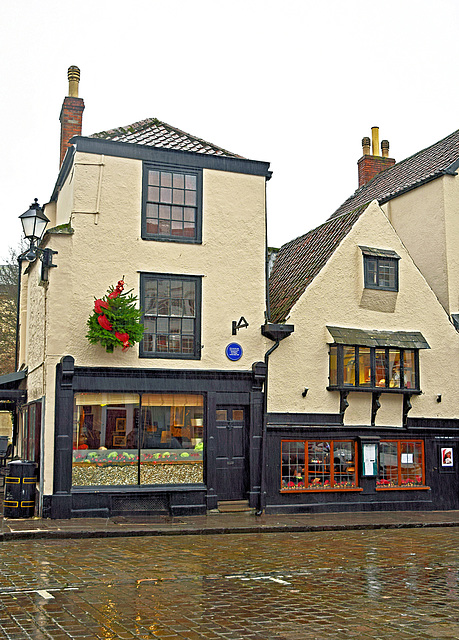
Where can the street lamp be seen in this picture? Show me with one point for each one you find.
(34, 223)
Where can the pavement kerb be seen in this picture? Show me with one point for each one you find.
(62, 534)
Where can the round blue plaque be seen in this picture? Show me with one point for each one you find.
(233, 351)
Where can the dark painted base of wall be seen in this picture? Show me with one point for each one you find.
(104, 502)
(352, 507)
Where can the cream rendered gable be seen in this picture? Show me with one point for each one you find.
(335, 298)
(427, 221)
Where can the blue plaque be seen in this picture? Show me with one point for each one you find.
(233, 351)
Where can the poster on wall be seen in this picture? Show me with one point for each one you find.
(446, 456)
(446, 459)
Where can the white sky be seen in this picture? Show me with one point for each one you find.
(297, 83)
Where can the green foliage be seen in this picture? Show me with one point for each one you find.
(115, 321)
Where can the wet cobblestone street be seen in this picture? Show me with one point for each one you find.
(383, 584)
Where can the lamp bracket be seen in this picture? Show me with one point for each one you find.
(240, 324)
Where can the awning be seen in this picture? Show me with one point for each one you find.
(379, 253)
(365, 338)
(9, 387)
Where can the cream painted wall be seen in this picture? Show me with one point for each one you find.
(451, 195)
(108, 245)
(419, 219)
(334, 299)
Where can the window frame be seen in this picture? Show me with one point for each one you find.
(307, 488)
(379, 259)
(400, 486)
(197, 280)
(336, 351)
(165, 168)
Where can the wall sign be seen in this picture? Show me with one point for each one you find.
(369, 459)
(233, 351)
(446, 459)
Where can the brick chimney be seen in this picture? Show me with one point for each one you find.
(71, 112)
(371, 164)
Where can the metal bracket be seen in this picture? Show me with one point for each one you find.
(240, 324)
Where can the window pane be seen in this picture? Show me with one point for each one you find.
(386, 273)
(411, 464)
(172, 439)
(238, 415)
(189, 214)
(153, 194)
(293, 460)
(164, 227)
(190, 182)
(349, 366)
(178, 197)
(394, 368)
(105, 439)
(153, 178)
(179, 181)
(364, 367)
(190, 198)
(409, 369)
(371, 274)
(221, 415)
(344, 467)
(380, 358)
(166, 195)
(177, 213)
(333, 373)
(166, 179)
(318, 465)
(388, 465)
(164, 212)
(152, 210)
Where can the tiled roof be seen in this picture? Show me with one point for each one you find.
(154, 133)
(421, 167)
(299, 261)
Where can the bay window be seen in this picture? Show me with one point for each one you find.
(373, 368)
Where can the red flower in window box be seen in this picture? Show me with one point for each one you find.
(290, 484)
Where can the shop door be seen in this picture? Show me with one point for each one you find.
(231, 452)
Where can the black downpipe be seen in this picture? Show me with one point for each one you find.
(20, 259)
(261, 503)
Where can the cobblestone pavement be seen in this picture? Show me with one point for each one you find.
(383, 584)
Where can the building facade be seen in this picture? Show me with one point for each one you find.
(172, 424)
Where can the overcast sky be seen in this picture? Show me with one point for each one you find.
(297, 83)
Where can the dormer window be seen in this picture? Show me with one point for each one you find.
(380, 268)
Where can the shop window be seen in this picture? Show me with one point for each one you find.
(401, 464)
(172, 316)
(373, 367)
(315, 465)
(119, 439)
(171, 204)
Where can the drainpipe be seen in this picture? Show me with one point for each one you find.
(276, 332)
(20, 259)
(261, 502)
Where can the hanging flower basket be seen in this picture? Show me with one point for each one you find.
(115, 321)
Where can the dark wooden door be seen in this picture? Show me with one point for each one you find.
(231, 452)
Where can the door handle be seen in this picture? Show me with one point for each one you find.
(230, 462)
